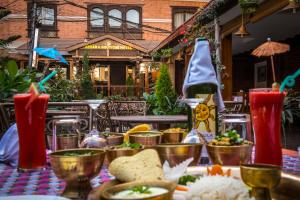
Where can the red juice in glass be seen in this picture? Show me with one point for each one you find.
(31, 130)
(266, 108)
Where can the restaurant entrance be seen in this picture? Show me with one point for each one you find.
(111, 78)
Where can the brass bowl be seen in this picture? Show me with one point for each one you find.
(261, 178)
(77, 171)
(229, 155)
(172, 137)
(113, 139)
(113, 153)
(176, 153)
(170, 186)
(146, 138)
(69, 141)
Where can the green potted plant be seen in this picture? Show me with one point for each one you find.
(164, 89)
(248, 6)
(129, 86)
(14, 80)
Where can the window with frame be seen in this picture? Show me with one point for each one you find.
(115, 18)
(181, 15)
(132, 18)
(46, 16)
(96, 18)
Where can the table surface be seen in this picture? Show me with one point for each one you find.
(151, 118)
(45, 182)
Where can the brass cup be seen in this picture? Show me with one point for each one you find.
(69, 141)
(113, 153)
(229, 155)
(177, 153)
(146, 138)
(261, 178)
(172, 137)
(114, 139)
(77, 171)
(170, 186)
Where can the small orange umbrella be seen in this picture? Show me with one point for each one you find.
(271, 48)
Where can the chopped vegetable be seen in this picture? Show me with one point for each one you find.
(185, 179)
(228, 138)
(217, 170)
(141, 189)
(181, 188)
(130, 145)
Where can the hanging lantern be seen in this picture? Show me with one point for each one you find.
(242, 30)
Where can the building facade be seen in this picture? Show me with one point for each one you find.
(117, 36)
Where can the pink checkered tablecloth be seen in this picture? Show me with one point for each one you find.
(45, 182)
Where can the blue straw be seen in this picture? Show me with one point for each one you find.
(42, 82)
(289, 80)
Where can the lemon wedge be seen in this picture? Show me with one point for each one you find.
(141, 127)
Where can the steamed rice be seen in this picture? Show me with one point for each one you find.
(218, 188)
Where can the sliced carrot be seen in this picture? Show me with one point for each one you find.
(181, 188)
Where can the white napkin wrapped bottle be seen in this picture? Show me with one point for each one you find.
(201, 73)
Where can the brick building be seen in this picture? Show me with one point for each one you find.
(118, 37)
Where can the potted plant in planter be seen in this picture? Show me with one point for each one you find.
(248, 6)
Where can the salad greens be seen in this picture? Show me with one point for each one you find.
(130, 145)
(141, 189)
(185, 179)
(231, 137)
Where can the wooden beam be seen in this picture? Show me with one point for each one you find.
(71, 69)
(265, 9)
(226, 51)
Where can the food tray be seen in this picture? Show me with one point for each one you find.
(288, 189)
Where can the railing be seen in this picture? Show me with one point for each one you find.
(122, 90)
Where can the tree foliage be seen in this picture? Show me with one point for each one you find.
(164, 90)
(87, 91)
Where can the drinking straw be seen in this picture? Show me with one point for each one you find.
(289, 80)
(42, 82)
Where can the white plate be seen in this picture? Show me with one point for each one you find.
(33, 197)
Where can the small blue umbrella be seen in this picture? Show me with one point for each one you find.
(51, 53)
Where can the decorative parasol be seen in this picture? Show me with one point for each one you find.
(271, 48)
(51, 53)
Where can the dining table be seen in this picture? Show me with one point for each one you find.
(13, 182)
(158, 121)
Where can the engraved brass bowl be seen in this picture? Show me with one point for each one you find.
(114, 152)
(177, 153)
(69, 141)
(229, 155)
(113, 139)
(146, 138)
(77, 170)
(172, 137)
(170, 186)
(261, 178)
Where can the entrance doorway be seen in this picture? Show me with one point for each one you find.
(101, 78)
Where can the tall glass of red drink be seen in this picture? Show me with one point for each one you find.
(266, 108)
(31, 126)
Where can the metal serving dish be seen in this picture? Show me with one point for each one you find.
(288, 188)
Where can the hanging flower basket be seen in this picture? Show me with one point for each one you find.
(248, 6)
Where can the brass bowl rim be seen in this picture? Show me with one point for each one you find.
(112, 150)
(153, 134)
(63, 135)
(98, 152)
(232, 146)
(260, 166)
(170, 186)
(112, 133)
(167, 145)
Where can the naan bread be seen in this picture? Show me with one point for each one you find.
(144, 166)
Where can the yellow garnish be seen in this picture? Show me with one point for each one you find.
(141, 127)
